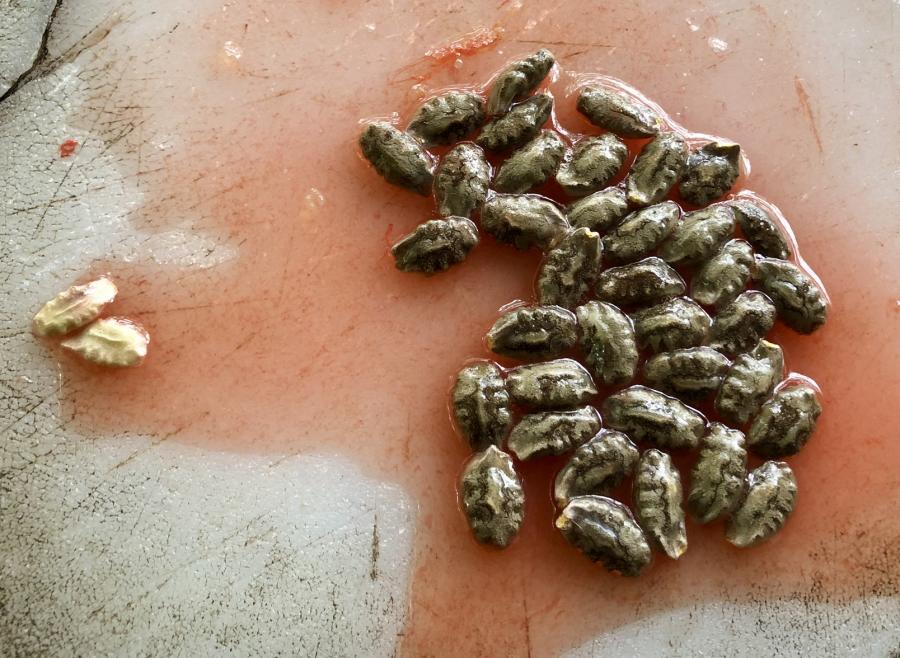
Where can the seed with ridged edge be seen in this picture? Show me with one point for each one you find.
(717, 480)
(399, 157)
(596, 467)
(647, 281)
(492, 497)
(658, 502)
(710, 172)
(552, 432)
(462, 180)
(617, 112)
(74, 308)
(725, 275)
(607, 340)
(739, 326)
(559, 384)
(599, 211)
(771, 493)
(447, 118)
(435, 246)
(671, 325)
(591, 164)
(749, 382)
(570, 269)
(523, 122)
(656, 168)
(533, 332)
(785, 422)
(480, 404)
(532, 164)
(648, 415)
(523, 220)
(760, 229)
(641, 232)
(518, 80)
(111, 342)
(698, 236)
(691, 371)
(801, 304)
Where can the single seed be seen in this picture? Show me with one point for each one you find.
(691, 371)
(647, 281)
(800, 302)
(533, 332)
(399, 158)
(739, 326)
(111, 342)
(771, 493)
(656, 169)
(523, 220)
(641, 232)
(750, 381)
(74, 308)
(518, 80)
(648, 415)
(710, 172)
(725, 275)
(606, 532)
(596, 467)
(492, 497)
(560, 384)
(671, 325)
(532, 164)
(591, 164)
(436, 245)
(607, 340)
(760, 229)
(785, 422)
(552, 432)
(447, 118)
(523, 122)
(717, 481)
(657, 502)
(698, 236)
(462, 180)
(481, 404)
(600, 211)
(617, 112)
(570, 269)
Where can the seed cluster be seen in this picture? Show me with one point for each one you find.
(647, 336)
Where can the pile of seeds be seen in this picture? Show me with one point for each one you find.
(655, 311)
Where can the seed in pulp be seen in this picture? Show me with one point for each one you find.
(532, 164)
(800, 302)
(481, 404)
(645, 414)
(656, 169)
(523, 122)
(591, 164)
(717, 480)
(671, 325)
(749, 382)
(760, 229)
(785, 422)
(771, 493)
(641, 232)
(492, 497)
(608, 343)
(691, 371)
(436, 245)
(710, 172)
(698, 236)
(570, 268)
(533, 332)
(447, 118)
(658, 502)
(739, 326)
(647, 281)
(725, 275)
(518, 80)
(523, 220)
(399, 157)
(617, 112)
(596, 467)
(558, 384)
(552, 432)
(462, 180)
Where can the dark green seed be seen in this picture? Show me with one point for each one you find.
(648, 415)
(657, 502)
(535, 332)
(760, 229)
(560, 384)
(739, 326)
(569, 269)
(596, 467)
(552, 432)
(750, 381)
(481, 404)
(725, 275)
(671, 325)
(447, 118)
(647, 281)
(600, 211)
(800, 302)
(591, 164)
(656, 169)
(462, 180)
(710, 172)
(400, 158)
(717, 481)
(518, 80)
(617, 112)
(691, 371)
(522, 123)
(641, 232)
(607, 340)
(492, 497)
(524, 220)
(435, 246)
(771, 493)
(532, 164)
(698, 236)
(785, 422)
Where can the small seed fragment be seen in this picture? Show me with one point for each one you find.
(750, 381)
(521, 123)
(617, 112)
(717, 481)
(518, 80)
(570, 269)
(533, 332)
(591, 164)
(645, 414)
(671, 325)
(532, 164)
(607, 339)
(647, 281)
(606, 532)
(111, 342)
(710, 172)
(552, 432)
(436, 245)
(692, 371)
(800, 302)
(462, 180)
(559, 384)
(698, 236)
(657, 502)
(760, 229)
(523, 220)
(785, 422)
(74, 308)
(447, 118)
(399, 158)
(599, 211)
(771, 493)
(641, 232)
(492, 497)
(596, 467)
(481, 404)
(740, 325)
(725, 275)
(656, 168)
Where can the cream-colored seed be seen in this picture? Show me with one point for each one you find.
(74, 308)
(111, 342)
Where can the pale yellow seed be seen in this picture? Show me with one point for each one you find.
(111, 342)
(74, 308)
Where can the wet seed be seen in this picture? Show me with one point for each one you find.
(591, 164)
(600, 211)
(399, 158)
(750, 381)
(462, 180)
(671, 325)
(800, 302)
(534, 332)
(717, 481)
(698, 236)
(710, 172)
(641, 232)
(740, 325)
(657, 502)
(760, 229)
(560, 384)
(518, 80)
(725, 275)
(692, 371)
(785, 422)
(532, 164)
(569, 269)
(771, 493)
(606, 532)
(523, 220)
(521, 123)
(111, 342)
(436, 245)
(656, 168)
(481, 404)
(647, 281)
(596, 467)
(447, 118)
(74, 308)
(648, 415)
(552, 432)
(492, 497)
(607, 339)
(617, 112)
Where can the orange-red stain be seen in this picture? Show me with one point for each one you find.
(67, 148)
